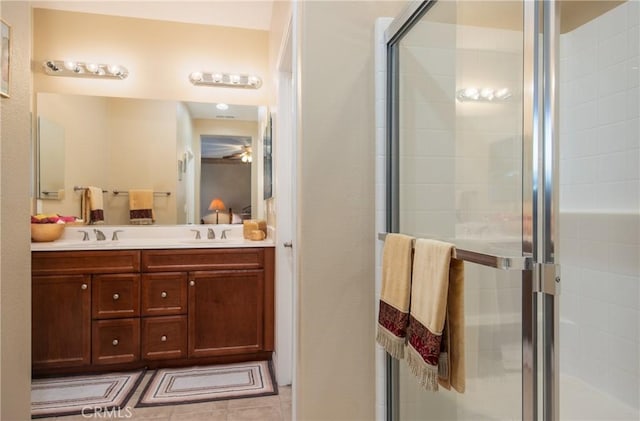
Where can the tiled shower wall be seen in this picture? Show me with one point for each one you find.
(599, 203)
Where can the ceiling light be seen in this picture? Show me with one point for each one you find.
(222, 106)
(79, 69)
(225, 80)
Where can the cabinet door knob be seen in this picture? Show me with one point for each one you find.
(116, 296)
(163, 338)
(115, 342)
(192, 283)
(84, 286)
(163, 294)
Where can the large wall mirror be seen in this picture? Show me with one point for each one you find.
(188, 153)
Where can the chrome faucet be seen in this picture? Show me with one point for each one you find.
(85, 235)
(211, 234)
(99, 235)
(224, 234)
(197, 234)
(114, 237)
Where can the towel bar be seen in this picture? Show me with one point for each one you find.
(519, 263)
(80, 188)
(155, 193)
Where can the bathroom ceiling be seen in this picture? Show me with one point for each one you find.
(254, 14)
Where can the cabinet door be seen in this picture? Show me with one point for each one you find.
(226, 312)
(60, 321)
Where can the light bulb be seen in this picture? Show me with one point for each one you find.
(471, 93)
(244, 158)
(91, 67)
(234, 78)
(217, 77)
(487, 93)
(253, 80)
(195, 77)
(114, 69)
(70, 65)
(503, 93)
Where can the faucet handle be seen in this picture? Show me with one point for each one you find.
(224, 234)
(197, 234)
(85, 235)
(114, 236)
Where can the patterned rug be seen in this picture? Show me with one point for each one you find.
(85, 395)
(177, 386)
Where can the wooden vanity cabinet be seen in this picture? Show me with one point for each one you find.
(122, 309)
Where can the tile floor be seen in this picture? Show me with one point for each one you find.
(267, 408)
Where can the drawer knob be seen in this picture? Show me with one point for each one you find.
(116, 296)
(163, 338)
(192, 283)
(84, 286)
(163, 294)
(115, 342)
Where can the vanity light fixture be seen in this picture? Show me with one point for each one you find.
(483, 94)
(228, 80)
(222, 106)
(81, 69)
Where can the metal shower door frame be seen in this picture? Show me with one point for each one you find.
(540, 281)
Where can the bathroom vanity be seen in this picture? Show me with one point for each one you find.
(106, 307)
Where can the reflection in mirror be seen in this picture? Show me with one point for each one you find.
(51, 145)
(121, 144)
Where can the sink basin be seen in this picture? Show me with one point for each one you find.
(207, 241)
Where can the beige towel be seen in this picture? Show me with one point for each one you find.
(92, 205)
(452, 349)
(141, 207)
(429, 306)
(393, 314)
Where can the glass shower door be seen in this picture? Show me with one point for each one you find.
(456, 170)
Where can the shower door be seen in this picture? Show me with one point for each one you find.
(471, 160)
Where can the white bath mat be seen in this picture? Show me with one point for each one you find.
(208, 383)
(84, 395)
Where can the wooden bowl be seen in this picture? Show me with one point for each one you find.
(46, 232)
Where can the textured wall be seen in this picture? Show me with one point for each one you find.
(15, 263)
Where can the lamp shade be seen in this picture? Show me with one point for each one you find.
(216, 204)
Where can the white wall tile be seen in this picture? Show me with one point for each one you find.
(633, 13)
(612, 50)
(612, 23)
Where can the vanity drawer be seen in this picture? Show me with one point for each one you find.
(164, 294)
(82, 262)
(115, 296)
(202, 259)
(164, 337)
(115, 341)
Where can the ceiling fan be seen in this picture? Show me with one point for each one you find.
(245, 154)
(225, 147)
